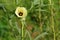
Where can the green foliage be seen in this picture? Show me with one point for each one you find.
(42, 21)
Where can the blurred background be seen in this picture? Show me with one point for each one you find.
(42, 21)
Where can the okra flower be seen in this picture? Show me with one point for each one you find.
(21, 12)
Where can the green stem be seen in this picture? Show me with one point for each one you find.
(40, 15)
(52, 18)
(22, 29)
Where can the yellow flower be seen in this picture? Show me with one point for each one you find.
(21, 12)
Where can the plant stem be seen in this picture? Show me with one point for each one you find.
(22, 29)
(52, 18)
(40, 15)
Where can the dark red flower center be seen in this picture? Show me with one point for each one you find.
(20, 14)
